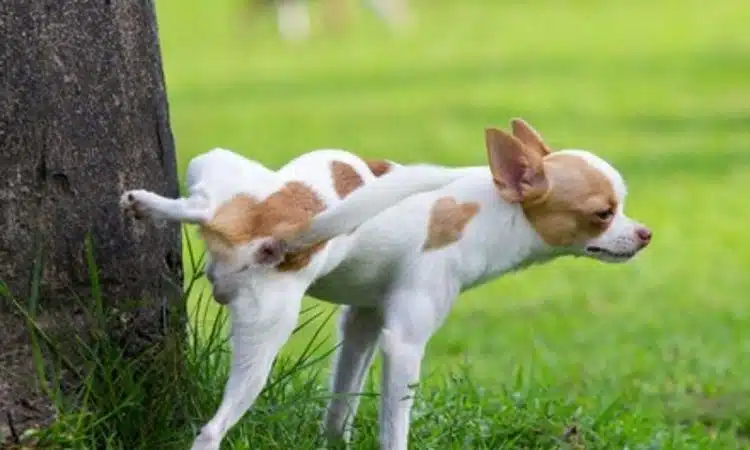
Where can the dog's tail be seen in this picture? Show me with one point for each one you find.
(399, 183)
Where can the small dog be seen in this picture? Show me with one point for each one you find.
(400, 270)
(245, 211)
(293, 16)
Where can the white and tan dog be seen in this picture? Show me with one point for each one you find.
(400, 271)
(242, 209)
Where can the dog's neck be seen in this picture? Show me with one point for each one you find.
(502, 240)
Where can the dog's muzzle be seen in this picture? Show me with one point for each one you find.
(222, 296)
(221, 291)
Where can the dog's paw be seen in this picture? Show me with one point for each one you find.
(205, 441)
(134, 203)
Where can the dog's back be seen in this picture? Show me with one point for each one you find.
(332, 173)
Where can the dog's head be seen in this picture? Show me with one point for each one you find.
(229, 265)
(235, 251)
(573, 199)
(242, 234)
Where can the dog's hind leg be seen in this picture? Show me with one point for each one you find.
(260, 327)
(359, 330)
(142, 203)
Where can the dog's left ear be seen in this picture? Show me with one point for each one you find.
(529, 136)
(517, 171)
(270, 252)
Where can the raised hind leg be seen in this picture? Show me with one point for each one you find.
(142, 204)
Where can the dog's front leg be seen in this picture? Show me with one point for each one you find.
(402, 359)
(359, 330)
(411, 317)
(258, 333)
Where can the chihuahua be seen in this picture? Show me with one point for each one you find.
(396, 252)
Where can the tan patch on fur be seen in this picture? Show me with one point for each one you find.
(242, 219)
(345, 179)
(448, 219)
(379, 167)
(566, 214)
(234, 221)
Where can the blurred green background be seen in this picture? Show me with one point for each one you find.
(659, 88)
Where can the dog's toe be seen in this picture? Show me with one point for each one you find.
(130, 205)
(126, 200)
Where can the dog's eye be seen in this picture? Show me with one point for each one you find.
(605, 214)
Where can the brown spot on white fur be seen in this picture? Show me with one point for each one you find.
(448, 219)
(379, 167)
(232, 222)
(568, 212)
(345, 178)
(243, 219)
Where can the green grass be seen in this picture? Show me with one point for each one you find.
(648, 355)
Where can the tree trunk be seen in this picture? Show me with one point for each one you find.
(83, 116)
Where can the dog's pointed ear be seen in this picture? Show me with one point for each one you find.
(516, 170)
(270, 252)
(529, 136)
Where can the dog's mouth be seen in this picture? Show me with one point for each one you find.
(603, 253)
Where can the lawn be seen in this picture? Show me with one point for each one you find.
(652, 354)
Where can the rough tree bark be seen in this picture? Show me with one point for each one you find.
(83, 116)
